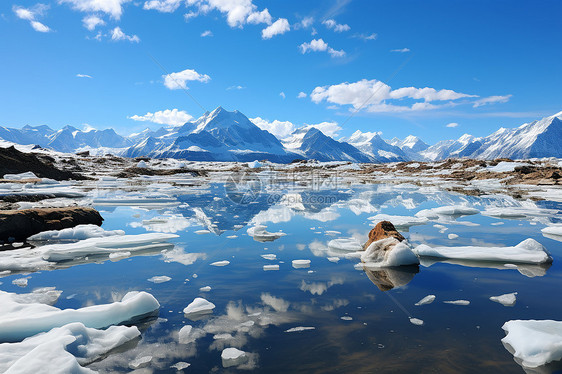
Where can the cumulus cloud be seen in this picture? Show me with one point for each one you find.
(164, 6)
(206, 33)
(176, 81)
(305, 23)
(491, 100)
(83, 76)
(91, 22)
(282, 94)
(319, 45)
(452, 124)
(281, 129)
(238, 12)
(402, 50)
(376, 96)
(333, 25)
(118, 34)
(328, 128)
(301, 95)
(172, 117)
(278, 27)
(31, 14)
(114, 8)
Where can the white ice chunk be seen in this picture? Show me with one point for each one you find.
(205, 289)
(63, 349)
(140, 362)
(220, 263)
(270, 256)
(300, 329)
(333, 259)
(79, 232)
(534, 343)
(528, 251)
(199, 305)
(104, 246)
(119, 255)
(20, 320)
(254, 164)
(346, 318)
(416, 321)
(180, 365)
(504, 167)
(378, 253)
(452, 236)
(233, 357)
(202, 232)
(159, 279)
(426, 300)
(270, 267)
(142, 164)
(457, 302)
(21, 176)
(553, 232)
(345, 245)
(260, 234)
(507, 299)
(21, 282)
(301, 264)
(453, 210)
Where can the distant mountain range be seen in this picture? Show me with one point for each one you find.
(221, 135)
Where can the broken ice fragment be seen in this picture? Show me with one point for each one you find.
(300, 329)
(199, 305)
(426, 300)
(159, 279)
(507, 299)
(220, 263)
(301, 264)
(457, 302)
(233, 357)
(416, 321)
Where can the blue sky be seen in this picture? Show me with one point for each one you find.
(400, 67)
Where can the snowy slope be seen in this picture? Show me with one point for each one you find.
(372, 144)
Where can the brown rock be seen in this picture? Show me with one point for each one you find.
(18, 225)
(383, 229)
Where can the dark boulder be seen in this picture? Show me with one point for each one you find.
(383, 230)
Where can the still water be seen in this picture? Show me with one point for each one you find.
(350, 323)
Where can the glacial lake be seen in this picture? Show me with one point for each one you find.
(349, 325)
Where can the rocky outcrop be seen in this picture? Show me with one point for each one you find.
(18, 225)
(383, 230)
(13, 161)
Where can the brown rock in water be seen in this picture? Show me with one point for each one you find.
(18, 225)
(383, 229)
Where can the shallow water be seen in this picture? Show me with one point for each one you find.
(375, 333)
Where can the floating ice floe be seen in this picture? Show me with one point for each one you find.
(344, 246)
(533, 343)
(416, 321)
(301, 264)
(300, 329)
(233, 357)
(504, 167)
(159, 279)
(20, 176)
(21, 282)
(205, 289)
(199, 306)
(140, 362)
(202, 232)
(507, 299)
(527, 211)
(270, 267)
(527, 269)
(260, 234)
(453, 210)
(270, 256)
(528, 251)
(63, 349)
(457, 302)
(426, 300)
(334, 259)
(452, 236)
(80, 232)
(220, 263)
(23, 319)
(180, 365)
(553, 232)
(104, 246)
(346, 318)
(402, 223)
(389, 252)
(139, 202)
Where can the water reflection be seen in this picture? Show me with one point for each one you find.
(388, 278)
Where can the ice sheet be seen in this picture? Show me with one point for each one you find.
(20, 320)
(528, 251)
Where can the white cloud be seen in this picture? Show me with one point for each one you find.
(376, 96)
(372, 36)
(238, 12)
(172, 117)
(282, 94)
(319, 45)
(118, 34)
(83, 76)
(491, 100)
(402, 50)
(305, 23)
(91, 22)
(206, 33)
(189, 15)
(452, 124)
(112, 7)
(330, 129)
(333, 25)
(31, 14)
(235, 88)
(301, 95)
(176, 81)
(278, 27)
(164, 6)
(281, 129)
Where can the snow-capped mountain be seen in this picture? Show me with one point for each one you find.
(311, 143)
(373, 145)
(219, 135)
